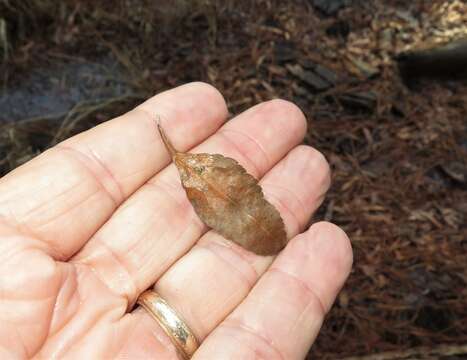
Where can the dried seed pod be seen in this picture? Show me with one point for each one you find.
(229, 200)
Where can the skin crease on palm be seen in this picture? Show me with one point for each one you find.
(93, 222)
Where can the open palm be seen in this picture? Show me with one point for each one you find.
(90, 224)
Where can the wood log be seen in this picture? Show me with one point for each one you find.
(439, 61)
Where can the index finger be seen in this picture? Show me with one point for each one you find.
(64, 195)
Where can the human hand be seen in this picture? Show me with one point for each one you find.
(90, 224)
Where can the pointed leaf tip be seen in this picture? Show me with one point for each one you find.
(168, 144)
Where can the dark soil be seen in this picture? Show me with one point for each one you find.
(398, 148)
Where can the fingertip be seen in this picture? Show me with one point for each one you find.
(209, 93)
(313, 166)
(321, 257)
(199, 96)
(288, 113)
(338, 241)
(296, 186)
(208, 89)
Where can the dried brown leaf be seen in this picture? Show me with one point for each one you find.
(229, 200)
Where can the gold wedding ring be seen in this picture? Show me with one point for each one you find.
(180, 334)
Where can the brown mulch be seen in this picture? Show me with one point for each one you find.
(398, 150)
